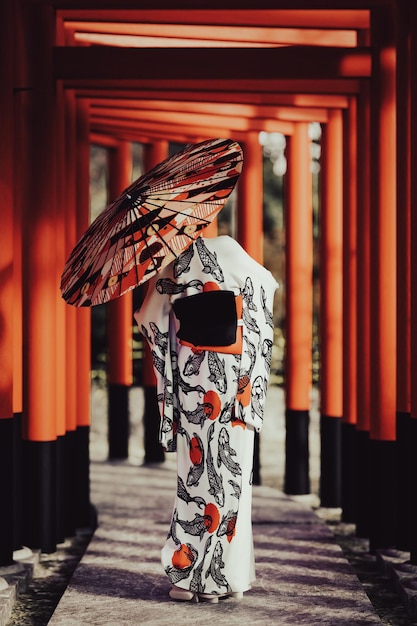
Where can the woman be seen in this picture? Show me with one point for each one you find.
(208, 320)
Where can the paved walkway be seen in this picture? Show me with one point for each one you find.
(302, 576)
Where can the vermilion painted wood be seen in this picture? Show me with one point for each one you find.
(413, 231)
(349, 351)
(250, 198)
(363, 264)
(134, 109)
(17, 66)
(404, 232)
(64, 324)
(293, 62)
(216, 126)
(257, 86)
(174, 97)
(154, 153)
(140, 34)
(331, 273)
(413, 217)
(143, 133)
(17, 323)
(69, 162)
(298, 272)
(261, 16)
(39, 221)
(83, 336)
(383, 236)
(383, 451)
(119, 323)
(7, 227)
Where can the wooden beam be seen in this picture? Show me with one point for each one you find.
(297, 62)
(138, 34)
(211, 6)
(103, 138)
(252, 86)
(254, 99)
(154, 109)
(217, 126)
(313, 18)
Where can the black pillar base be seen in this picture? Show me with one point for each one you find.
(61, 489)
(330, 461)
(118, 421)
(70, 482)
(297, 462)
(17, 481)
(411, 494)
(7, 495)
(403, 484)
(383, 482)
(39, 505)
(363, 514)
(85, 513)
(154, 452)
(349, 473)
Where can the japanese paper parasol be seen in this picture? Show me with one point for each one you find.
(151, 222)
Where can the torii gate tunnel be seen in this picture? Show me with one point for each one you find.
(83, 72)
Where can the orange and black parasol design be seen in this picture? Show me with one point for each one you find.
(151, 222)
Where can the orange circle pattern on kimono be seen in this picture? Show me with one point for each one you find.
(244, 391)
(196, 453)
(212, 398)
(237, 422)
(212, 517)
(211, 286)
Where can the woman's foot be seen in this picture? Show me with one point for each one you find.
(184, 595)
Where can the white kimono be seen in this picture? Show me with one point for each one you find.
(211, 402)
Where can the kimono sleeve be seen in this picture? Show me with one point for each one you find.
(154, 319)
(258, 331)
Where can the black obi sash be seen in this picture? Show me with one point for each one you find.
(207, 319)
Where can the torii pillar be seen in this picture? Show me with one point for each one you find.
(383, 281)
(7, 423)
(84, 514)
(349, 443)
(298, 310)
(154, 153)
(413, 281)
(405, 448)
(331, 311)
(119, 329)
(75, 492)
(250, 226)
(38, 156)
(363, 314)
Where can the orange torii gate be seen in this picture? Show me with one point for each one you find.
(59, 88)
(331, 313)
(299, 311)
(349, 465)
(409, 106)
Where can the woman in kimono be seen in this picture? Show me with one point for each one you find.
(208, 320)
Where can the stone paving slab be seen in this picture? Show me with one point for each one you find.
(14, 580)
(396, 566)
(302, 575)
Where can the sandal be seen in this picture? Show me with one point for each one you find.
(183, 595)
(214, 597)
